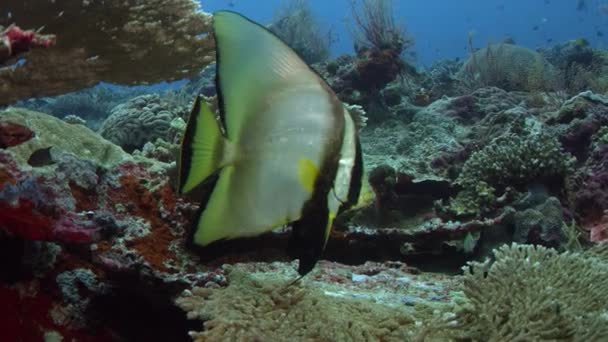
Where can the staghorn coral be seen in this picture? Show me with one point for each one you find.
(141, 120)
(251, 309)
(124, 42)
(532, 293)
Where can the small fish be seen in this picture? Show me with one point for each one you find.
(535, 28)
(284, 150)
(41, 157)
(599, 33)
(12, 134)
(549, 40)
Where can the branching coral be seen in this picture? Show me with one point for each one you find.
(125, 42)
(267, 310)
(533, 293)
(296, 26)
(510, 160)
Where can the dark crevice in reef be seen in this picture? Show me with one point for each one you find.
(11, 255)
(135, 311)
(349, 249)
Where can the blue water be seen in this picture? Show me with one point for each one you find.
(441, 27)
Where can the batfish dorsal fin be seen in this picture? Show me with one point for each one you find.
(252, 64)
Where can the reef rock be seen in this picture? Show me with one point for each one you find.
(52, 132)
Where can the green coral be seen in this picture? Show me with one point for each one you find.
(533, 293)
(511, 160)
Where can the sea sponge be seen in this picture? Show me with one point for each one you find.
(533, 293)
(141, 120)
(251, 309)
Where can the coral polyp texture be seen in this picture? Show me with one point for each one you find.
(533, 293)
(140, 120)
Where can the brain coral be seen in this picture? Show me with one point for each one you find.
(140, 120)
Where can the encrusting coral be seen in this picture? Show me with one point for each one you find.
(533, 293)
(124, 42)
(250, 309)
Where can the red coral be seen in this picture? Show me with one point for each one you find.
(25, 221)
(12, 134)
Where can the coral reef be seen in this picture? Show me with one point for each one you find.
(534, 293)
(355, 303)
(509, 67)
(52, 132)
(92, 104)
(140, 120)
(511, 160)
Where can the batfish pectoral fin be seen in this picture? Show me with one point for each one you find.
(202, 148)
